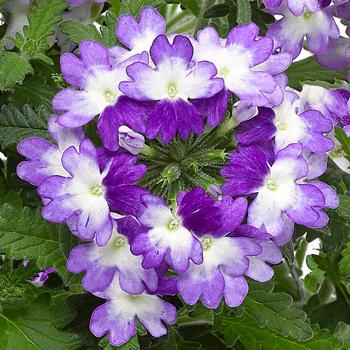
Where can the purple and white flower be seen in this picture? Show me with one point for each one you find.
(172, 84)
(118, 316)
(88, 193)
(282, 196)
(100, 264)
(44, 158)
(296, 7)
(169, 236)
(246, 64)
(331, 103)
(288, 33)
(286, 125)
(95, 83)
(42, 277)
(228, 253)
(137, 36)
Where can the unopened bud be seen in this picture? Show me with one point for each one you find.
(130, 140)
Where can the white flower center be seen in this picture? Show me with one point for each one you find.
(173, 224)
(119, 241)
(223, 72)
(271, 184)
(110, 96)
(172, 90)
(97, 190)
(307, 14)
(281, 124)
(206, 243)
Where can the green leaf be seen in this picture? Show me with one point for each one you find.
(78, 31)
(25, 235)
(34, 91)
(315, 278)
(18, 124)
(253, 337)
(13, 69)
(243, 11)
(338, 84)
(344, 206)
(191, 5)
(344, 263)
(132, 344)
(275, 311)
(42, 18)
(218, 10)
(200, 315)
(344, 141)
(309, 70)
(37, 326)
(342, 333)
(135, 6)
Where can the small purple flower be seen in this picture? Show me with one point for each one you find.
(95, 84)
(282, 195)
(118, 316)
(228, 254)
(131, 140)
(42, 277)
(288, 33)
(296, 7)
(246, 64)
(87, 193)
(286, 125)
(169, 236)
(44, 158)
(331, 103)
(173, 83)
(137, 36)
(100, 264)
(337, 55)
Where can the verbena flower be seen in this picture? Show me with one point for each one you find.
(282, 197)
(287, 125)
(44, 158)
(172, 84)
(288, 33)
(89, 193)
(118, 316)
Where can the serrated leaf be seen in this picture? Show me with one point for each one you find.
(42, 18)
(344, 263)
(77, 31)
(13, 69)
(252, 337)
(344, 206)
(309, 70)
(25, 235)
(243, 11)
(18, 124)
(200, 315)
(132, 344)
(275, 311)
(135, 6)
(344, 141)
(34, 91)
(36, 326)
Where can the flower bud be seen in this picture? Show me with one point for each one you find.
(130, 140)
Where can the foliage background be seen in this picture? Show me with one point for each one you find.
(293, 312)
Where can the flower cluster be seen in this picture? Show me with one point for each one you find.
(315, 21)
(198, 245)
